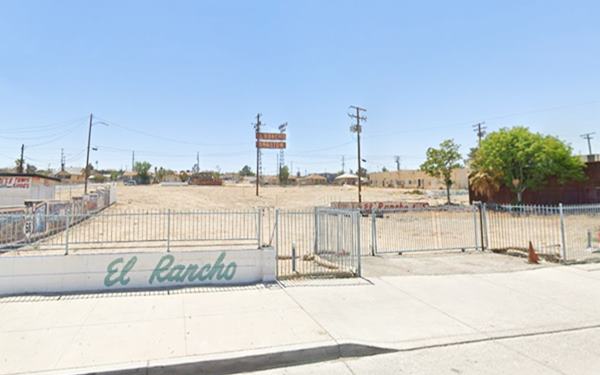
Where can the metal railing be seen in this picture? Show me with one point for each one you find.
(309, 241)
(125, 230)
(567, 233)
(319, 241)
(434, 228)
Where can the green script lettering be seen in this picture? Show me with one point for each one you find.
(163, 265)
(113, 269)
(167, 270)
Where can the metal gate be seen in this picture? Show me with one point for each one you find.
(425, 229)
(317, 242)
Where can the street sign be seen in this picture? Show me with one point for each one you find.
(262, 144)
(271, 136)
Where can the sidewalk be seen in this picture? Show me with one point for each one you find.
(131, 330)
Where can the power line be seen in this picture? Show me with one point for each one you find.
(43, 128)
(487, 118)
(168, 139)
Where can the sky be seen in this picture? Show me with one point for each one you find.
(170, 79)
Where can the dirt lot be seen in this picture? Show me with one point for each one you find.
(243, 196)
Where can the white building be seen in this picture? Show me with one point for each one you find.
(16, 188)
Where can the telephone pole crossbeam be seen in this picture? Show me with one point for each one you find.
(588, 137)
(357, 128)
(479, 129)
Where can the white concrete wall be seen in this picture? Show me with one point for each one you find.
(140, 270)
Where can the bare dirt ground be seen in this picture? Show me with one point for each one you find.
(240, 196)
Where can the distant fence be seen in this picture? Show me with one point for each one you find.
(40, 220)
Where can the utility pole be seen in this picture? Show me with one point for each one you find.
(21, 166)
(87, 158)
(62, 159)
(257, 128)
(132, 161)
(196, 167)
(357, 129)
(397, 160)
(343, 164)
(588, 137)
(479, 129)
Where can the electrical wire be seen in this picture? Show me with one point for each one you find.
(43, 128)
(168, 139)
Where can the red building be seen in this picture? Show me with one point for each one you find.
(553, 193)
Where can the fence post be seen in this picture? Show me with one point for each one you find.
(68, 222)
(277, 242)
(477, 237)
(293, 256)
(168, 230)
(563, 242)
(373, 233)
(316, 245)
(357, 216)
(259, 227)
(484, 228)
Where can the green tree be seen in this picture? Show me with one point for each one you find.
(19, 167)
(30, 169)
(384, 169)
(142, 168)
(442, 161)
(246, 171)
(184, 176)
(363, 172)
(284, 175)
(522, 160)
(114, 175)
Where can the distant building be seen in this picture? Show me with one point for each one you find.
(313, 179)
(417, 179)
(329, 176)
(17, 188)
(130, 176)
(590, 158)
(348, 179)
(72, 175)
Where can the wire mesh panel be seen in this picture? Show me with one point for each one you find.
(317, 241)
(425, 229)
(582, 231)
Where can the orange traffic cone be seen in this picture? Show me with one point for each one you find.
(532, 257)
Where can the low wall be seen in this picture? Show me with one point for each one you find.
(139, 270)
